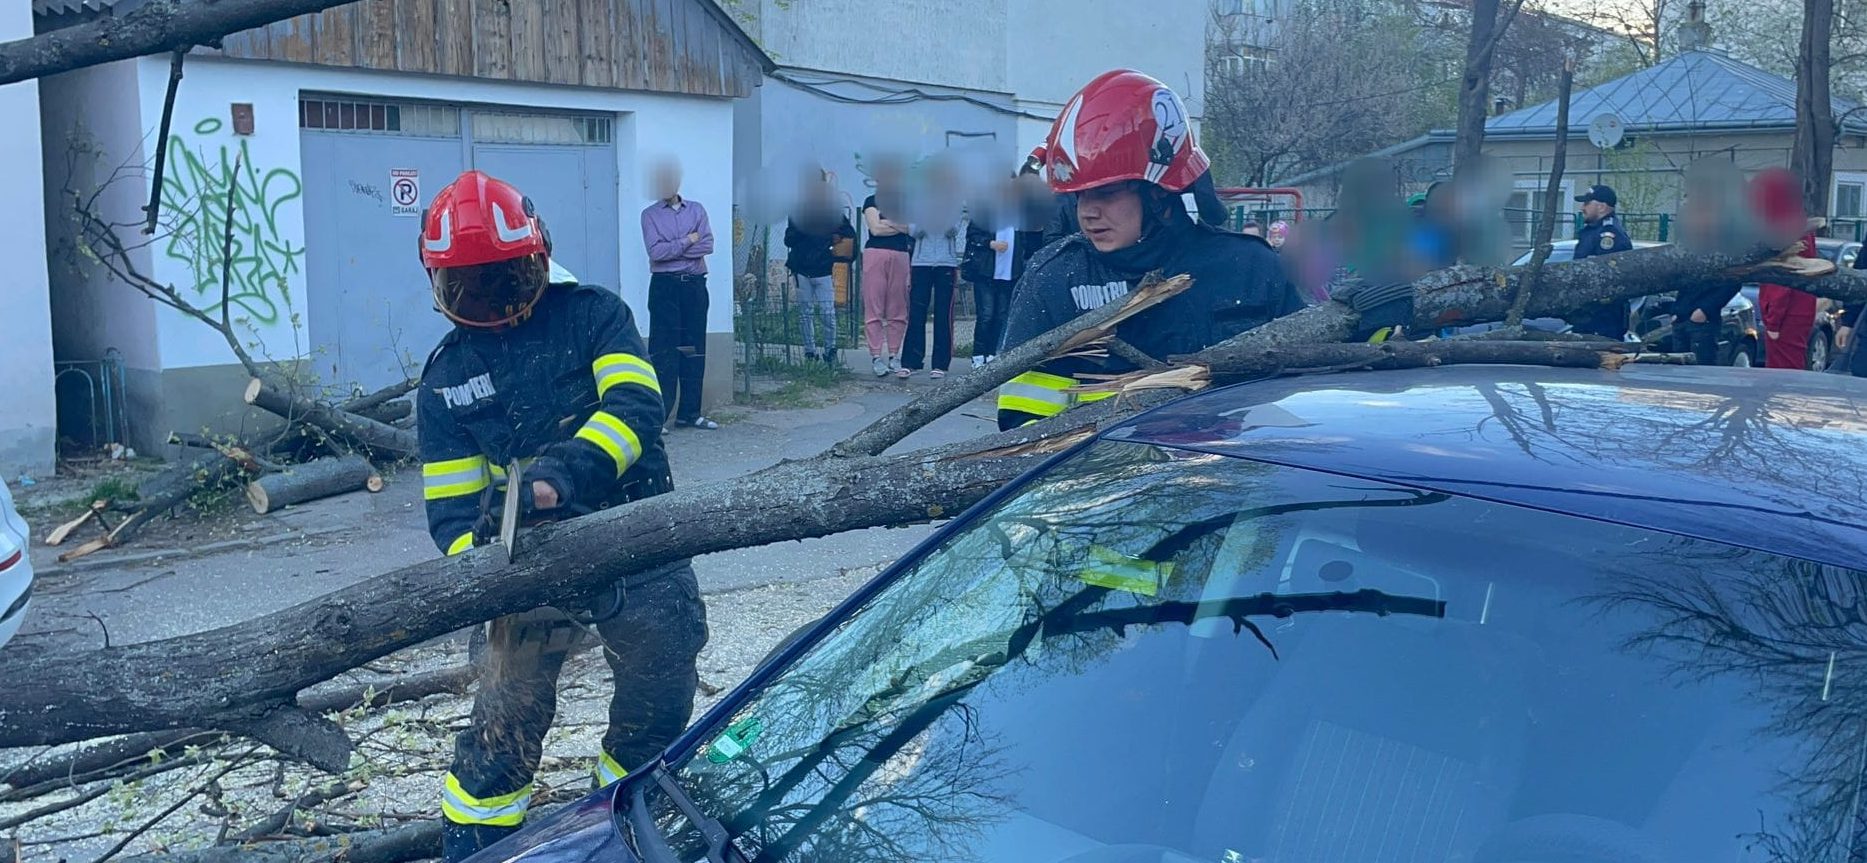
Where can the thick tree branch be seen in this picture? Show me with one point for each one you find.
(903, 421)
(159, 25)
(234, 677)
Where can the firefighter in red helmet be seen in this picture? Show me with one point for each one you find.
(1124, 147)
(549, 378)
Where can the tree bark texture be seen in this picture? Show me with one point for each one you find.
(1475, 83)
(149, 28)
(243, 677)
(312, 480)
(1812, 155)
(344, 425)
(419, 841)
(93, 762)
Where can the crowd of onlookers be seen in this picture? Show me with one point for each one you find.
(919, 240)
(921, 245)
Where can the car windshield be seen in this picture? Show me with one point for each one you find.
(1152, 654)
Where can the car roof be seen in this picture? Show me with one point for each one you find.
(1765, 459)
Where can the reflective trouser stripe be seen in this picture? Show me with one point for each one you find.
(612, 436)
(1086, 398)
(608, 769)
(506, 810)
(453, 478)
(616, 369)
(461, 543)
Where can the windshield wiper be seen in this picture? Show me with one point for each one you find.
(653, 844)
(1240, 609)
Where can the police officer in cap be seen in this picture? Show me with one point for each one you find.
(1601, 234)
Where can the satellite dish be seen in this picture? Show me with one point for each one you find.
(1606, 131)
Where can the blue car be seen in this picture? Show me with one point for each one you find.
(1484, 614)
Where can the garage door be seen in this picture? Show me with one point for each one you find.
(371, 319)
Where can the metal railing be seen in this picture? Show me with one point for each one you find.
(92, 400)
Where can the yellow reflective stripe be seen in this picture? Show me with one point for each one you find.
(1046, 380)
(499, 471)
(1039, 393)
(453, 477)
(608, 769)
(505, 810)
(1117, 571)
(1086, 398)
(461, 543)
(616, 369)
(614, 437)
(1042, 408)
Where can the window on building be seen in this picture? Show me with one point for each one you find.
(1849, 199)
(503, 128)
(1525, 207)
(341, 114)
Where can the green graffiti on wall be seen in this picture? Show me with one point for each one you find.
(196, 187)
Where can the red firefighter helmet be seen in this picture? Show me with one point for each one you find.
(1123, 126)
(486, 251)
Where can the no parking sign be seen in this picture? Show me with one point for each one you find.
(404, 192)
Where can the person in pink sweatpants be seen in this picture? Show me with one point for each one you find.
(885, 272)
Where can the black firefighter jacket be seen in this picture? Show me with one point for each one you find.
(567, 392)
(1238, 283)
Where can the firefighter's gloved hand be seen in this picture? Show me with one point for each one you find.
(551, 472)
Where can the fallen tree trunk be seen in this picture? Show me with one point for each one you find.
(344, 425)
(242, 677)
(148, 28)
(312, 480)
(419, 841)
(105, 759)
(168, 489)
(365, 404)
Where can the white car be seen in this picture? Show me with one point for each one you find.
(15, 567)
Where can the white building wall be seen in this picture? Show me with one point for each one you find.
(1056, 46)
(698, 130)
(28, 424)
(957, 43)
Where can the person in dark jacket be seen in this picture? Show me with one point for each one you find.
(548, 380)
(1601, 234)
(1000, 241)
(1129, 169)
(811, 236)
(1714, 193)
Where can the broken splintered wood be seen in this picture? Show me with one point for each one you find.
(315, 479)
(60, 533)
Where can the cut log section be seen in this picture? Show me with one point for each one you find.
(374, 483)
(354, 428)
(312, 480)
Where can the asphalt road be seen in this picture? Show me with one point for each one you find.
(144, 592)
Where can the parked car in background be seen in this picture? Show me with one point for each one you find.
(15, 567)
(1269, 623)
(1740, 338)
(1564, 250)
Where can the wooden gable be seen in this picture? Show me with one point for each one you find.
(667, 46)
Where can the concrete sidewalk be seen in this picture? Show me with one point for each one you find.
(146, 592)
